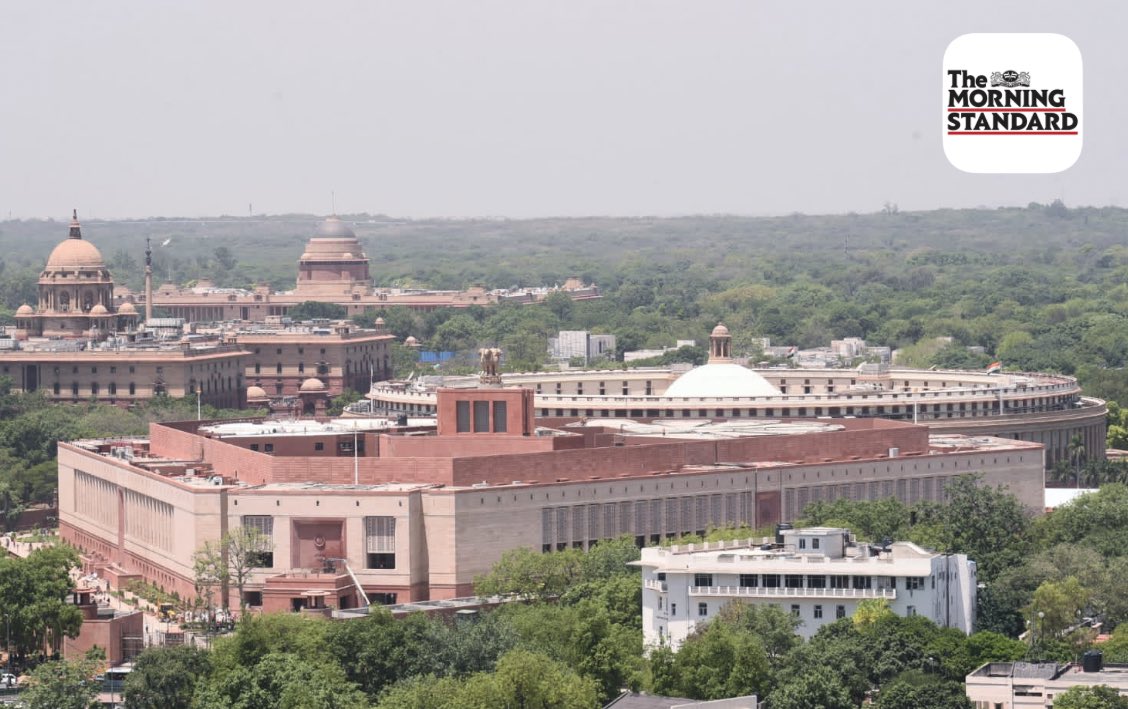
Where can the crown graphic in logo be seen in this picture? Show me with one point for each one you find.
(1010, 78)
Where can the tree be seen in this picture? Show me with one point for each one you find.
(817, 688)
(522, 680)
(1082, 697)
(871, 611)
(63, 684)
(210, 572)
(988, 524)
(166, 677)
(224, 258)
(281, 680)
(1056, 606)
(315, 309)
(33, 596)
(915, 689)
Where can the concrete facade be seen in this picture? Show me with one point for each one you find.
(1033, 685)
(817, 574)
(417, 513)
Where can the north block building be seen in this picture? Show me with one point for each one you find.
(817, 574)
(359, 509)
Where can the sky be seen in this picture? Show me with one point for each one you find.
(517, 108)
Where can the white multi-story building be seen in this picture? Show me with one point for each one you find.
(581, 343)
(818, 574)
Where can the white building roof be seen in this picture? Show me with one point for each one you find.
(723, 379)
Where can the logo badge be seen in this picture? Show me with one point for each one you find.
(1012, 103)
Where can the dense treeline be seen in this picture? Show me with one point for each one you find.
(1042, 287)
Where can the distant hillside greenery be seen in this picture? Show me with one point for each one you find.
(1041, 287)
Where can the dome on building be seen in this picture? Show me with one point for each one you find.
(334, 228)
(313, 384)
(380, 322)
(411, 341)
(24, 311)
(127, 309)
(255, 392)
(720, 330)
(73, 255)
(721, 379)
(74, 252)
(99, 309)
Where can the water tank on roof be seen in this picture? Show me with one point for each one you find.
(1092, 661)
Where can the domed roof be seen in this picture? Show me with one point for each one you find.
(312, 384)
(720, 330)
(127, 309)
(75, 253)
(723, 380)
(99, 309)
(380, 322)
(411, 341)
(24, 311)
(255, 392)
(334, 228)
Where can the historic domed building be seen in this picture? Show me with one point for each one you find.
(720, 376)
(76, 294)
(334, 263)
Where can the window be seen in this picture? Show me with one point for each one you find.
(702, 610)
(861, 582)
(254, 446)
(771, 580)
(113, 370)
(748, 580)
(301, 367)
(673, 609)
(703, 579)
(462, 414)
(815, 543)
(380, 542)
(319, 446)
(252, 598)
(74, 388)
(795, 609)
(264, 525)
(818, 612)
(914, 583)
(268, 448)
(802, 543)
(278, 368)
(793, 581)
(910, 611)
(113, 388)
(131, 369)
(481, 417)
(840, 612)
(500, 417)
(55, 388)
(816, 581)
(132, 388)
(258, 368)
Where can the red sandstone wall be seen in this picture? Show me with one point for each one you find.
(463, 445)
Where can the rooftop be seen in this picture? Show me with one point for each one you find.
(308, 427)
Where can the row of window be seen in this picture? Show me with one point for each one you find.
(95, 389)
(910, 583)
(322, 368)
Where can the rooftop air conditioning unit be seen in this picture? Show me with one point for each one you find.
(216, 480)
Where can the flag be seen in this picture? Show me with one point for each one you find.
(994, 367)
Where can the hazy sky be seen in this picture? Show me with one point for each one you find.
(516, 108)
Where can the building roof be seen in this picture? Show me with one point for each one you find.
(720, 379)
(312, 384)
(75, 254)
(334, 228)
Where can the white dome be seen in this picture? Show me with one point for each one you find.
(721, 379)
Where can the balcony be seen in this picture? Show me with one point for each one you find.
(781, 592)
(653, 585)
